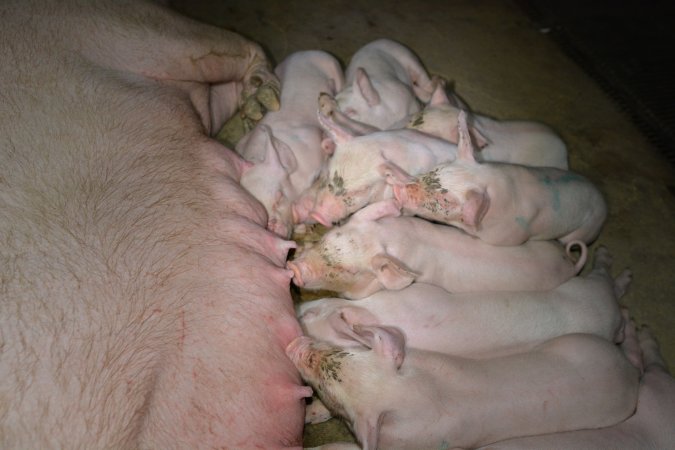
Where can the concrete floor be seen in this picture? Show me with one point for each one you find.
(502, 66)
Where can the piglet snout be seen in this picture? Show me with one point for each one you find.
(297, 347)
(321, 219)
(400, 194)
(297, 273)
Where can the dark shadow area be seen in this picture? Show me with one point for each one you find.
(627, 47)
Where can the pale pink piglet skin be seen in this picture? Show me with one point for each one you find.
(404, 398)
(478, 324)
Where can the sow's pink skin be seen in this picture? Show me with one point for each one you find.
(511, 141)
(286, 146)
(478, 324)
(398, 398)
(504, 204)
(356, 174)
(650, 428)
(144, 305)
(385, 83)
(377, 250)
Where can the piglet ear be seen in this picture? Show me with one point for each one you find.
(377, 210)
(394, 175)
(332, 86)
(365, 86)
(242, 166)
(277, 153)
(385, 341)
(474, 208)
(338, 323)
(284, 154)
(465, 150)
(478, 137)
(367, 429)
(439, 96)
(391, 272)
(335, 131)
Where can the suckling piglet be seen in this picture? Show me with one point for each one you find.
(504, 204)
(356, 173)
(393, 398)
(376, 250)
(385, 82)
(512, 141)
(286, 146)
(478, 324)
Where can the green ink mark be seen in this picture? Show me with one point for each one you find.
(569, 177)
(523, 223)
(444, 445)
(553, 188)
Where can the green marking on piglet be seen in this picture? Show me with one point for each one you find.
(551, 184)
(524, 224)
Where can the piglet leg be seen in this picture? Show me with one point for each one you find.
(219, 69)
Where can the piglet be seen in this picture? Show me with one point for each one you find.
(504, 204)
(385, 82)
(478, 324)
(356, 174)
(395, 398)
(377, 250)
(512, 141)
(286, 146)
(650, 428)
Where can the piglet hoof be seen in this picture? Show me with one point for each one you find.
(260, 96)
(233, 130)
(603, 259)
(651, 356)
(622, 282)
(251, 109)
(327, 104)
(268, 96)
(262, 87)
(630, 345)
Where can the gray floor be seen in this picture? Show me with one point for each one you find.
(504, 67)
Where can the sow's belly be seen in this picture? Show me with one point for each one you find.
(143, 303)
(228, 382)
